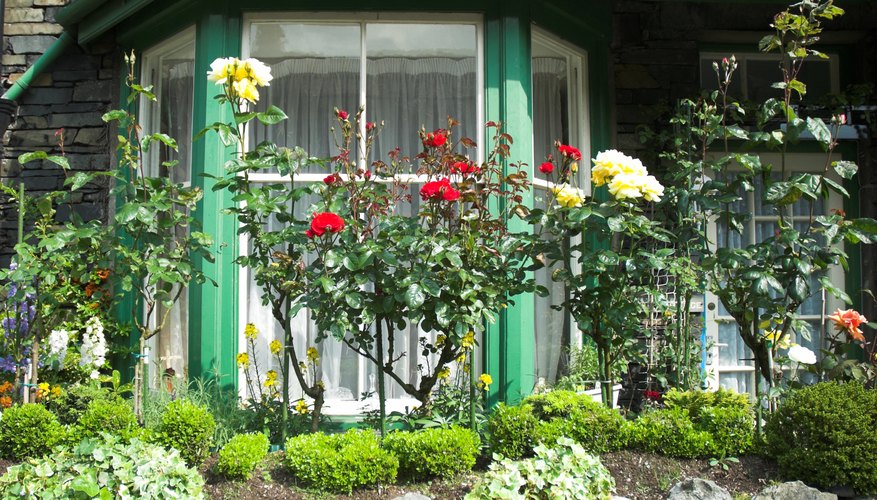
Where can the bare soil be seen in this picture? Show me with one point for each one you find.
(638, 476)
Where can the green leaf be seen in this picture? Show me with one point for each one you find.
(78, 180)
(826, 283)
(835, 186)
(414, 296)
(116, 114)
(820, 131)
(431, 286)
(33, 155)
(354, 300)
(271, 116)
(845, 169)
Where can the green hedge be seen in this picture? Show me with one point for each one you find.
(434, 452)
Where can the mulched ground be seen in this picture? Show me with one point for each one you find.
(638, 476)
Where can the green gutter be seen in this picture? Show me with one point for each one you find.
(102, 20)
(76, 11)
(22, 84)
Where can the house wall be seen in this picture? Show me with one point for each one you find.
(66, 101)
(655, 51)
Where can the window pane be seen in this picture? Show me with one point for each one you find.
(550, 103)
(315, 69)
(732, 350)
(170, 69)
(417, 76)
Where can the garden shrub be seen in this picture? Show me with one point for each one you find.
(564, 470)
(29, 430)
(732, 429)
(826, 435)
(104, 468)
(725, 414)
(188, 427)
(597, 428)
(241, 455)
(111, 416)
(558, 404)
(76, 399)
(436, 452)
(694, 401)
(512, 430)
(670, 432)
(340, 463)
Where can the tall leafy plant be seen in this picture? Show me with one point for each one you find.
(763, 284)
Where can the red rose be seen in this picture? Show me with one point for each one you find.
(439, 190)
(435, 139)
(325, 221)
(464, 167)
(369, 126)
(331, 179)
(450, 194)
(546, 167)
(342, 115)
(570, 152)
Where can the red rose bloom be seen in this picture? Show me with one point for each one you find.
(331, 179)
(439, 190)
(342, 115)
(325, 221)
(435, 139)
(369, 126)
(570, 152)
(464, 167)
(546, 167)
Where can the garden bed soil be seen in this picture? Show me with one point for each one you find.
(638, 476)
(5, 464)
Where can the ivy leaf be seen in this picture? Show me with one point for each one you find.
(414, 296)
(354, 300)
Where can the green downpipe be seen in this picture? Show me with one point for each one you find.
(76, 11)
(45, 60)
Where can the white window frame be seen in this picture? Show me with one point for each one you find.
(578, 112)
(150, 111)
(715, 365)
(362, 19)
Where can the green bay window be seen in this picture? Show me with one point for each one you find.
(406, 66)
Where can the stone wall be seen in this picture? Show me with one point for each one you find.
(64, 103)
(655, 53)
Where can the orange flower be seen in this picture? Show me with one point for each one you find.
(6, 387)
(103, 274)
(849, 320)
(5, 401)
(90, 289)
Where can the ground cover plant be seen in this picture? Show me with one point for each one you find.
(104, 468)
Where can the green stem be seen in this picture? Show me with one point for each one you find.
(382, 397)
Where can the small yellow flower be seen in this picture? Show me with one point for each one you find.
(251, 332)
(468, 341)
(776, 337)
(574, 167)
(440, 339)
(444, 373)
(461, 358)
(270, 378)
(301, 407)
(313, 355)
(243, 360)
(275, 347)
(56, 391)
(42, 389)
(484, 381)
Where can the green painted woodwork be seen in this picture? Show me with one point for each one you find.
(107, 16)
(213, 320)
(57, 49)
(509, 344)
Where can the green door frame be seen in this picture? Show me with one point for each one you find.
(213, 331)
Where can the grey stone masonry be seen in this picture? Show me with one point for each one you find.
(60, 112)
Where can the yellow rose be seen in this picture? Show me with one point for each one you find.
(651, 189)
(258, 71)
(220, 69)
(626, 186)
(246, 89)
(568, 196)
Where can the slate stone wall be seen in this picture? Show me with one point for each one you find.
(655, 54)
(64, 103)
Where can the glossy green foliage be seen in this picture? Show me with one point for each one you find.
(29, 430)
(438, 452)
(114, 417)
(187, 427)
(241, 455)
